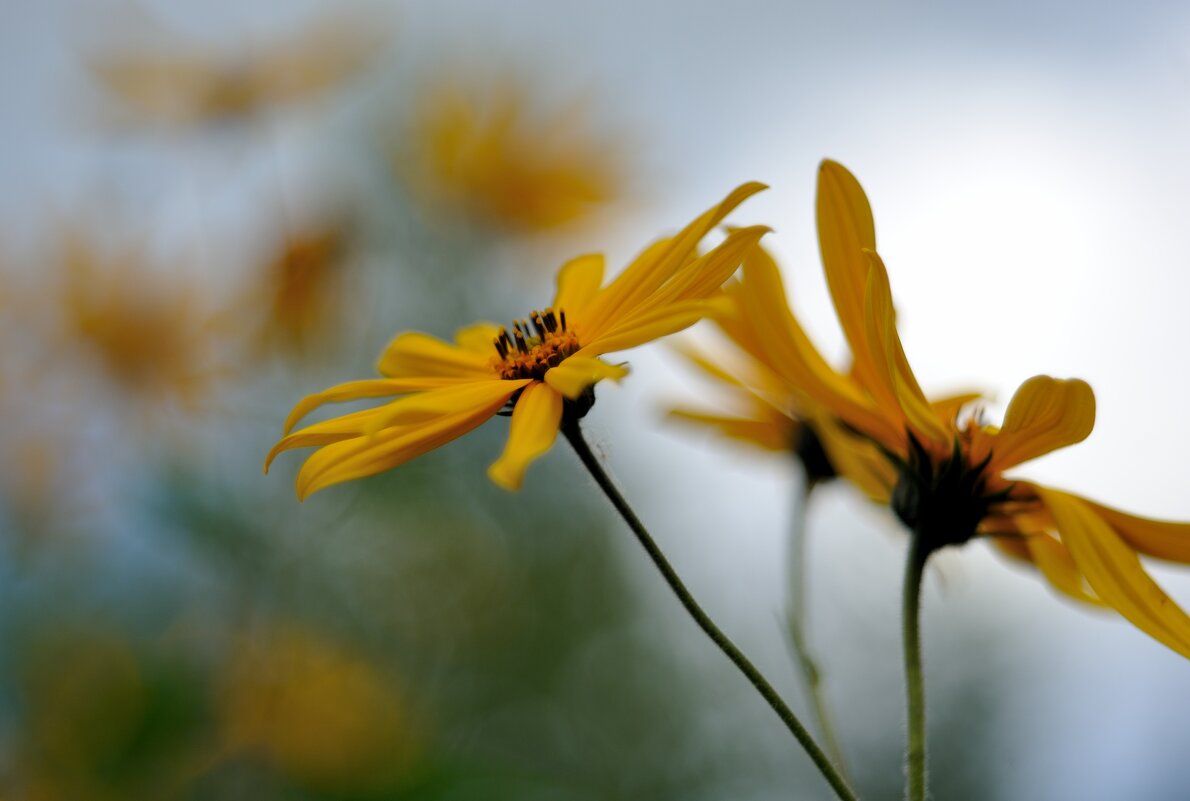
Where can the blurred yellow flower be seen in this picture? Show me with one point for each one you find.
(950, 468)
(487, 151)
(151, 336)
(301, 289)
(174, 82)
(544, 368)
(318, 712)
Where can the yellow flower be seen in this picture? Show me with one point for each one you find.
(180, 83)
(950, 467)
(544, 367)
(302, 287)
(152, 338)
(320, 713)
(489, 152)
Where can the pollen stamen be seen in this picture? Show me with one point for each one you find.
(541, 342)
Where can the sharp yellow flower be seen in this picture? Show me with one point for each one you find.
(544, 366)
(490, 152)
(180, 83)
(951, 483)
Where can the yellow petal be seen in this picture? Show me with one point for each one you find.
(1045, 414)
(479, 338)
(1059, 568)
(348, 426)
(896, 387)
(706, 274)
(772, 432)
(767, 329)
(646, 275)
(415, 409)
(857, 460)
(948, 408)
(576, 373)
(578, 282)
(1115, 573)
(650, 325)
(1160, 538)
(845, 231)
(1041, 551)
(368, 455)
(533, 429)
(413, 354)
(355, 390)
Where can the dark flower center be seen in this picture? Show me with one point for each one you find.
(942, 500)
(534, 345)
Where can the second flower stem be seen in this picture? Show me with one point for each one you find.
(915, 752)
(803, 658)
(572, 432)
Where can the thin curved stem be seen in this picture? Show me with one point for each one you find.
(574, 435)
(915, 753)
(804, 660)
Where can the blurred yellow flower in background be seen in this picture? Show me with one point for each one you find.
(950, 484)
(489, 150)
(318, 712)
(151, 335)
(301, 289)
(545, 367)
(166, 80)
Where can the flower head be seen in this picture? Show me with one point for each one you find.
(950, 483)
(181, 83)
(543, 366)
(152, 338)
(490, 152)
(301, 287)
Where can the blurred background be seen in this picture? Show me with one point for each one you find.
(210, 210)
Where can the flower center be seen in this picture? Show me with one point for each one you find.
(943, 500)
(534, 346)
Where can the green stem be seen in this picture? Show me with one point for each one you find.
(804, 660)
(915, 754)
(574, 435)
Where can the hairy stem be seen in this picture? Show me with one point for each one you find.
(574, 435)
(915, 752)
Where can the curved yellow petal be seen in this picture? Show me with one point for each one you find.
(415, 409)
(575, 374)
(392, 447)
(705, 275)
(534, 427)
(769, 430)
(348, 426)
(845, 230)
(1160, 538)
(1115, 573)
(641, 328)
(896, 387)
(578, 283)
(1059, 568)
(414, 354)
(766, 328)
(1045, 414)
(665, 258)
(369, 388)
(479, 338)
(857, 460)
